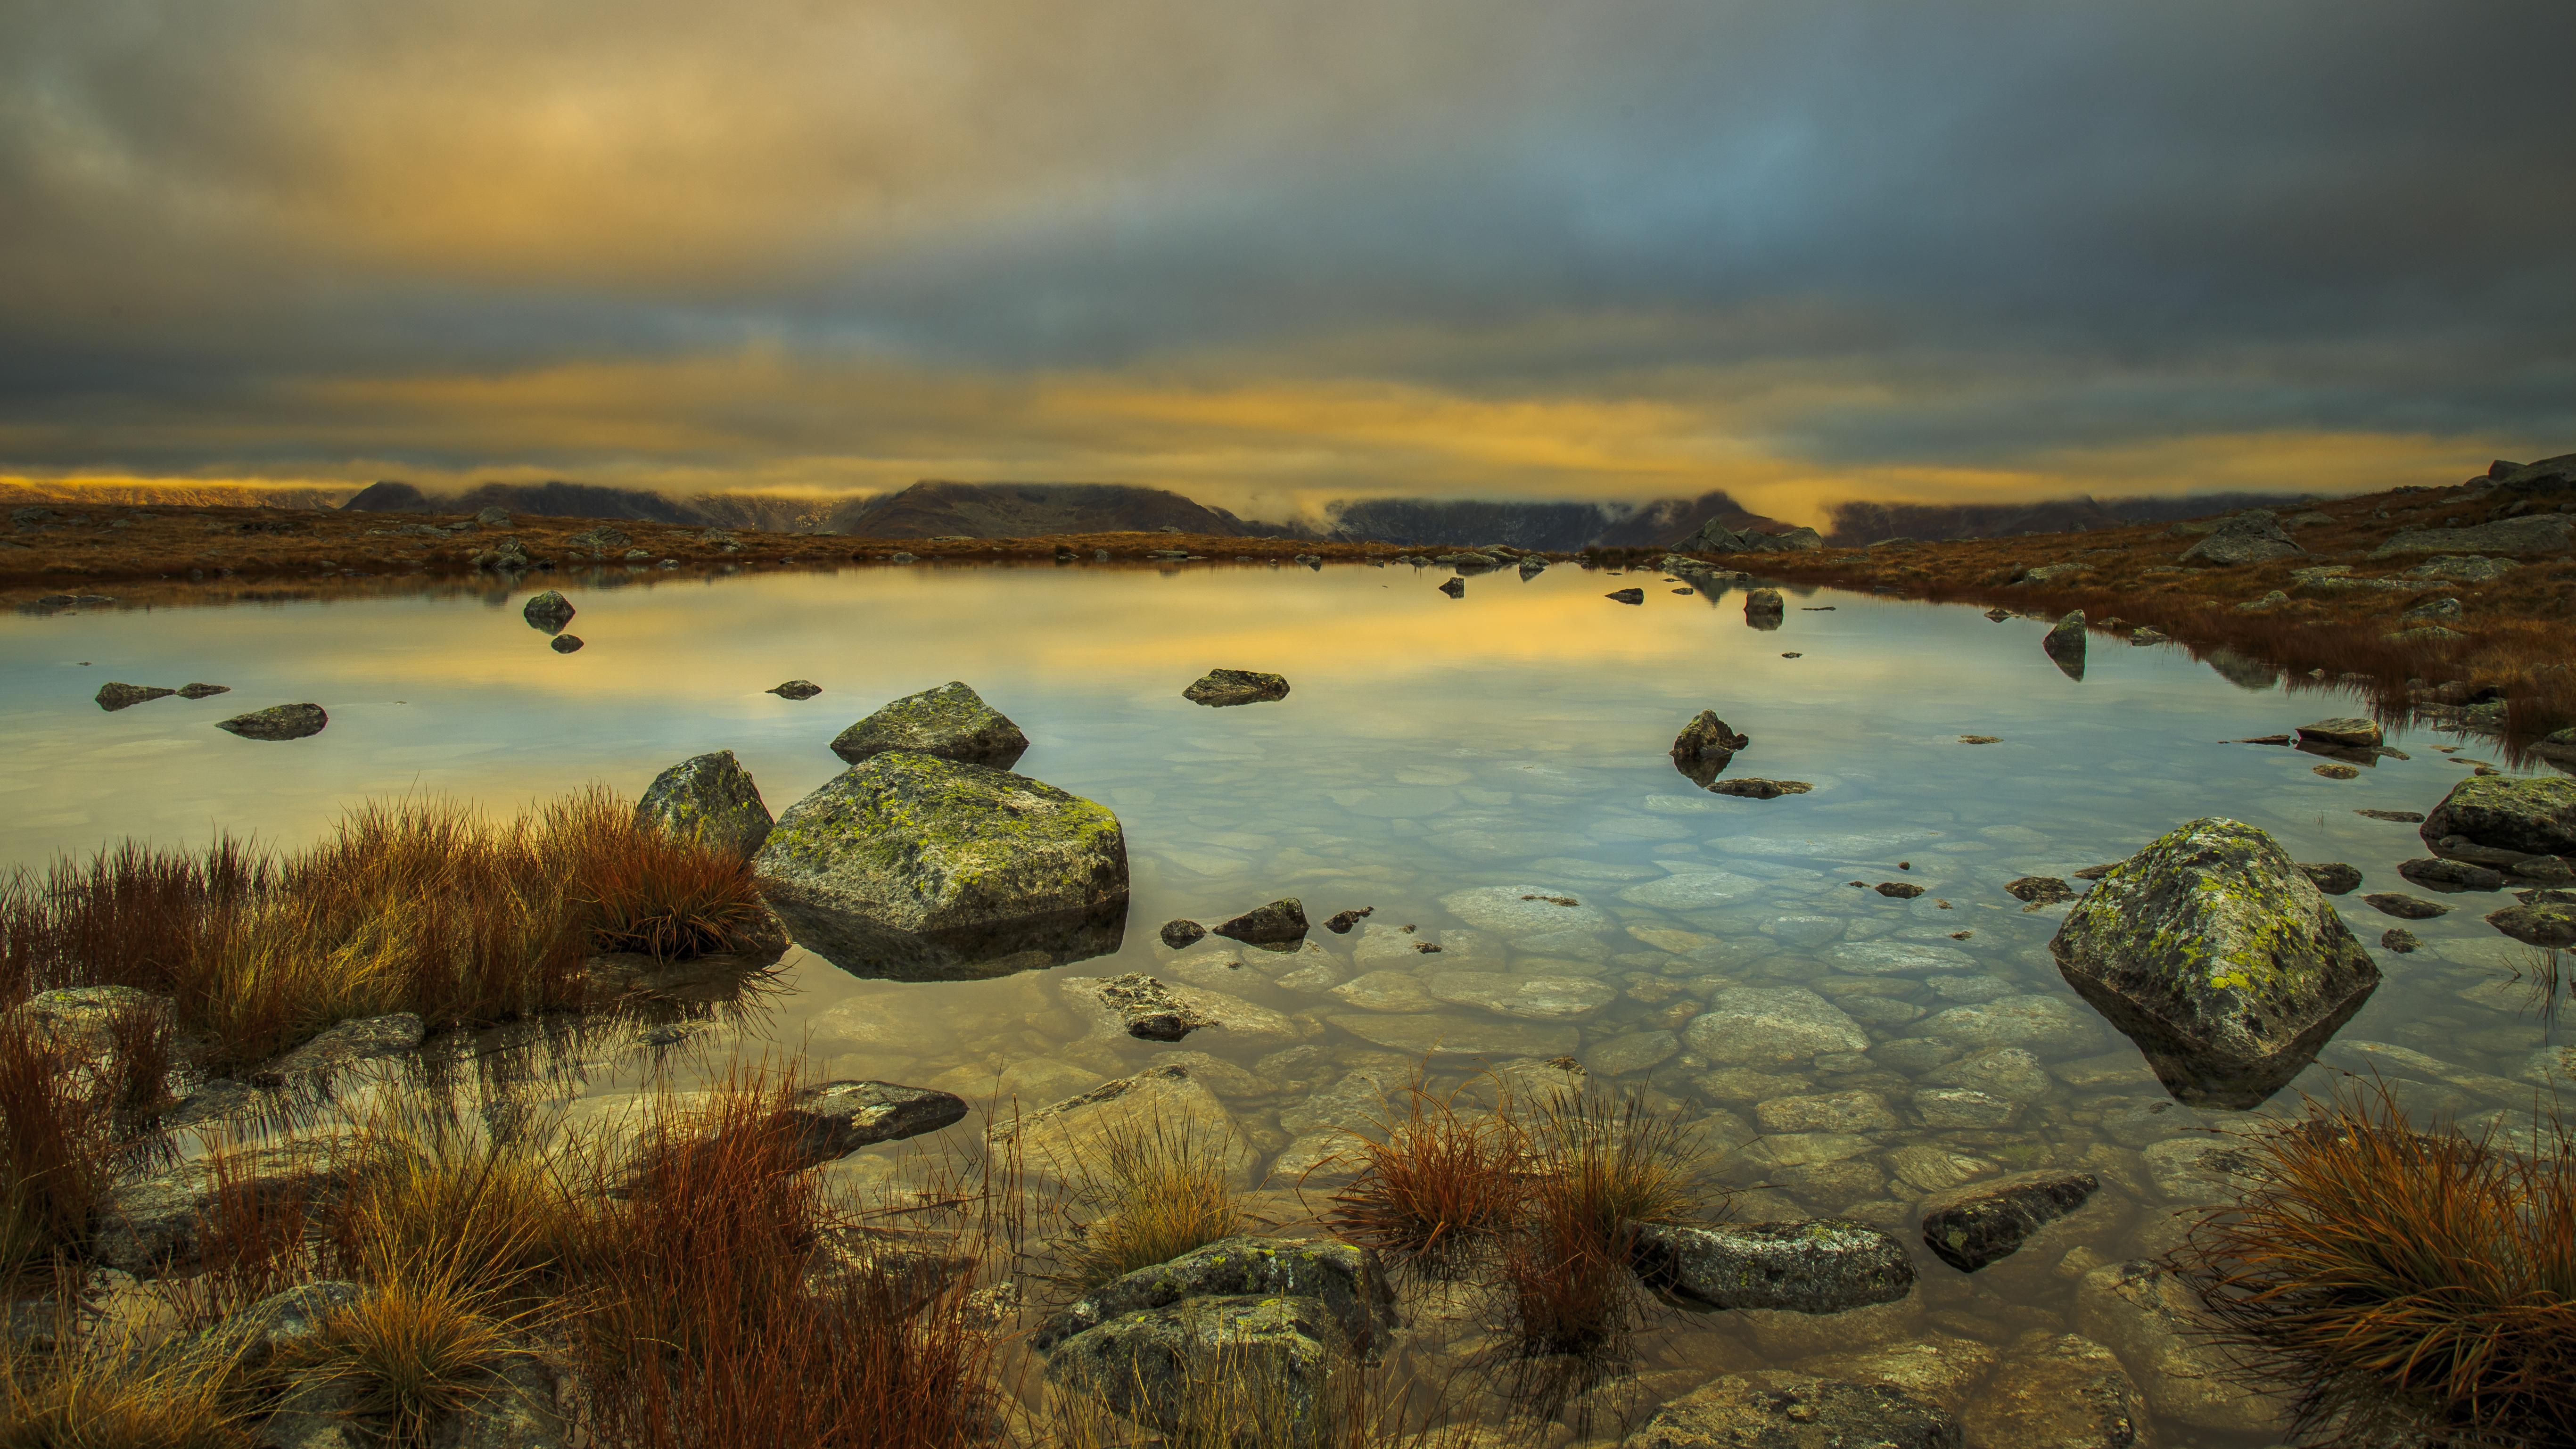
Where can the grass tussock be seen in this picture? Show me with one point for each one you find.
(703, 1321)
(1437, 1188)
(418, 905)
(2396, 1280)
(419, 1348)
(1157, 1190)
(59, 1150)
(109, 1396)
(1597, 1169)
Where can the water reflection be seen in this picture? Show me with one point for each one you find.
(1030, 943)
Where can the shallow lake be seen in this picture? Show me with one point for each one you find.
(1489, 772)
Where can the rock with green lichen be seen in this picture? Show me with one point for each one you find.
(1345, 1279)
(1814, 1265)
(712, 798)
(952, 722)
(2219, 958)
(2064, 645)
(1969, 1227)
(915, 867)
(1245, 1370)
(2535, 816)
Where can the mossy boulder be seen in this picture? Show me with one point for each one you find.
(1815, 1265)
(2219, 958)
(1345, 1279)
(1219, 687)
(2535, 816)
(278, 722)
(712, 798)
(548, 611)
(1247, 1370)
(952, 722)
(918, 867)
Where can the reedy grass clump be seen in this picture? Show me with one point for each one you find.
(1159, 1190)
(2388, 1279)
(60, 1147)
(113, 1396)
(416, 905)
(1436, 1188)
(1596, 1170)
(423, 1345)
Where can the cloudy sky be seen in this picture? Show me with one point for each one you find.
(1273, 253)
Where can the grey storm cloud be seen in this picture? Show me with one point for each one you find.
(1866, 234)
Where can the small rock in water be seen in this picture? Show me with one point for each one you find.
(2096, 872)
(2550, 926)
(1341, 923)
(2399, 939)
(113, 696)
(1981, 739)
(1626, 596)
(565, 644)
(1901, 890)
(1236, 686)
(1998, 615)
(1685, 591)
(2404, 907)
(1178, 934)
(2064, 645)
(2041, 890)
(1973, 1226)
(796, 689)
(2334, 878)
(1455, 588)
(1793, 654)
(203, 691)
(2451, 875)
(2336, 772)
(548, 611)
(1280, 921)
(278, 722)
(834, 1119)
(1755, 788)
(2359, 733)
(1705, 745)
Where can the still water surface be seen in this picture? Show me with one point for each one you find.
(1440, 761)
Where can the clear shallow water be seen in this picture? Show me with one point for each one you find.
(1437, 760)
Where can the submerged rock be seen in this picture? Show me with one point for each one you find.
(1068, 1139)
(1782, 1409)
(1761, 1026)
(2071, 1394)
(711, 798)
(1705, 745)
(1344, 1279)
(1235, 686)
(2536, 816)
(1279, 922)
(278, 722)
(1818, 1265)
(113, 696)
(951, 722)
(921, 867)
(834, 1119)
(2404, 907)
(2149, 1317)
(2219, 958)
(548, 611)
(1972, 1226)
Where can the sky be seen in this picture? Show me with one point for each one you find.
(1273, 254)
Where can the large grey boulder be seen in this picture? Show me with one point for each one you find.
(2536, 816)
(1247, 1370)
(1782, 1409)
(2534, 533)
(277, 722)
(1817, 1265)
(1344, 1279)
(952, 722)
(712, 798)
(1235, 686)
(2219, 958)
(2250, 537)
(1969, 1227)
(919, 867)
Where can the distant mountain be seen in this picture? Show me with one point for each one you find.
(1556, 527)
(936, 508)
(1858, 523)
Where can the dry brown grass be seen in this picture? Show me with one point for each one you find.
(1597, 1169)
(111, 1395)
(419, 1348)
(2389, 1278)
(59, 1150)
(417, 905)
(1437, 1188)
(1157, 1191)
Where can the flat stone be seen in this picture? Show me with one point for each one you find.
(2531, 533)
(341, 1047)
(1070, 1138)
(1630, 1052)
(1817, 1265)
(1694, 890)
(1854, 1111)
(1385, 991)
(278, 722)
(1751, 787)
(1344, 1279)
(1140, 1006)
(1878, 958)
(2352, 731)
(1963, 1107)
(835, 1119)
(1930, 1168)
(1433, 1034)
(951, 722)
(2012, 1073)
(1941, 1369)
(1523, 910)
(2404, 907)
(1772, 1026)
(2046, 1025)
(2151, 1320)
(1221, 687)
(2451, 875)
(1970, 1227)
(203, 691)
(1531, 998)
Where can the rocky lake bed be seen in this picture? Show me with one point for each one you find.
(1501, 842)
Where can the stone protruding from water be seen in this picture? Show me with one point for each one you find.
(1970, 1227)
(2352, 733)
(952, 722)
(1275, 924)
(1277, 1357)
(1764, 608)
(1455, 588)
(2064, 645)
(1705, 746)
(2333, 876)
(2535, 816)
(2219, 958)
(113, 696)
(709, 797)
(1753, 787)
(1784, 1409)
(203, 691)
(834, 1119)
(1178, 933)
(277, 722)
(1220, 687)
(795, 689)
(548, 611)
(1626, 596)
(917, 867)
(1816, 1265)
(1345, 1279)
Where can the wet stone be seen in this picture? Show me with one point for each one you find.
(951, 722)
(2040, 890)
(2399, 940)
(2334, 878)
(1963, 1107)
(1278, 922)
(278, 722)
(2070, 1394)
(796, 689)
(1179, 934)
(1854, 1111)
(1816, 1265)
(2404, 907)
(1220, 687)
(1973, 1226)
